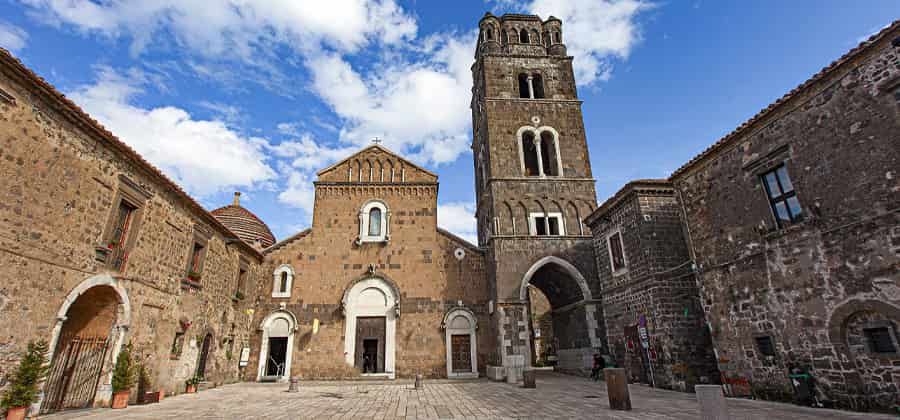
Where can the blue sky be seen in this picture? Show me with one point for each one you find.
(257, 95)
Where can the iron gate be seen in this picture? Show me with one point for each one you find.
(74, 373)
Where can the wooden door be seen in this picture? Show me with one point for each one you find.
(461, 353)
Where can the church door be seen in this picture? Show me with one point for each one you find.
(275, 364)
(370, 340)
(460, 345)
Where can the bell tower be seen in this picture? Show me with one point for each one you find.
(534, 187)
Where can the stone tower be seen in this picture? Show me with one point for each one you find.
(534, 187)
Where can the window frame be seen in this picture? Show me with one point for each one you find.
(532, 223)
(242, 276)
(276, 281)
(771, 345)
(201, 239)
(782, 196)
(134, 196)
(612, 266)
(891, 336)
(385, 234)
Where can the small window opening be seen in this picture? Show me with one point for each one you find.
(242, 282)
(523, 37)
(529, 152)
(375, 222)
(782, 197)
(283, 284)
(880, 340)
(556, 38)
(490, 33)
(196, 260)
(537, 83)
(616, 252)
(524, 92)
(119, 236)
(504, 38)
(548, 154)
(177, 344)
(765, 346)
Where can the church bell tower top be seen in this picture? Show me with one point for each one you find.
(518, 34)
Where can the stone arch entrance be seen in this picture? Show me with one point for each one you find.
(371, 307)
(276, 346)
(91, 326)
(572, 310)
(460, 325)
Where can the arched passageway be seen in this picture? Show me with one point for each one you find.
(572, 313)
(90, 330)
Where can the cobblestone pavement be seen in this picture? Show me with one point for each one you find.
(557, 396)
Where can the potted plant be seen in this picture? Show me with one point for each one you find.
(145, 396)
(192, 384)
(123, 378)
(23, 388)
(193, 276)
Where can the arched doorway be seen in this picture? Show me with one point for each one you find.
(276, 346)
(573, 313)
(371, 308)
(460, 325)
(205, 348)
(91, 326)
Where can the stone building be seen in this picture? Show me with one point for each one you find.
(100, 249)
(373, 287)
(533, 186)
(794, 224)
(648, 282)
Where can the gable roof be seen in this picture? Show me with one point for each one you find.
(383, 149)
(638, 185)
(828, 70)
(82, 120)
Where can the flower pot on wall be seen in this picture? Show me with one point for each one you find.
(120, 399)
(16, 413)
(191, 389)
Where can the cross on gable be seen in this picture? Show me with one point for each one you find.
(376, 140)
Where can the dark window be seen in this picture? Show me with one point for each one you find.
(880, 340)
(504, 37)
(242, 281)
(765, 346)
(553, 223)
(490, 33)
(119, 235)
(530, 154)
(540, 226)
(375, 222)
(523, 86)
(616, 253)
(537, 82)
(556, 38)
(546, 226)
(548, 154)
(177, 344)
(283, 286)
(782, 197)
(523, 37)
(196, 263)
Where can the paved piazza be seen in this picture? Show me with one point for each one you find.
(557, 396)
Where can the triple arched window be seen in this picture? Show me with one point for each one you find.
(539, 151)
(374, 222)
(531, 86)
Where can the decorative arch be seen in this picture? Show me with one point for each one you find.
(565, 265)
(544, 145)
(279, 324)
(460, 325)
(512, 218)
(577, 217)
(523, 37)
(841, 316)
(371, 296)
(282, 281)
(117, 335)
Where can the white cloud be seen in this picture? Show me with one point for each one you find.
(241, 27)
(420, 108)
(171, 139)
(594, 31)
(459, 218)
(306, 154)
(299, 192)
(12, 37)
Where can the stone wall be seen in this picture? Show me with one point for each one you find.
(59, 178)
(804, 284)
(657, 283)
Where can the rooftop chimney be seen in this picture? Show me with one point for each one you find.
(237, 198)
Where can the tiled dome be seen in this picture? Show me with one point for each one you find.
(245, 224)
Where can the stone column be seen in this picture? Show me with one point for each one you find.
(540, 159)
(712, 402)
(617, 388)
(530, 87)
(513, 339)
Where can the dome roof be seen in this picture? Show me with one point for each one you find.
(244, 224)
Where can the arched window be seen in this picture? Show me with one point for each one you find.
(537, 83)
(529, 154)
(490, 33)
(549, 158)
(283, 279)
(504, 38)
(556, 38)
(524, 90)
(374, 222)
(523, 37)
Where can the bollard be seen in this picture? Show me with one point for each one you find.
(617, 389)
(712, 402)
(528, 379)
(293, 387)
(418, 381)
